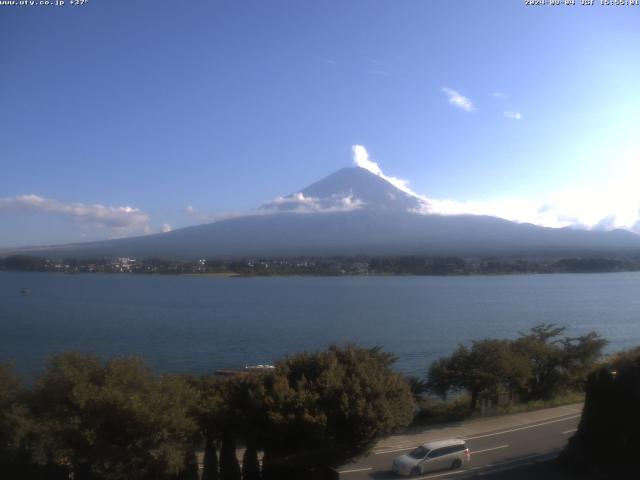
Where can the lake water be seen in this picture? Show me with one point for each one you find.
(197, 324)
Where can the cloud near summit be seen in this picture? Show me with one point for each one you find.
(299, 203)
(361, 159)
(602, 208)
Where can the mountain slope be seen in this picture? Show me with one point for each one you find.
(380, 219)
(373, 191)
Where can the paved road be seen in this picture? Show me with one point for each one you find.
(490, 451)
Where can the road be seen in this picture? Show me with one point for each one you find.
(490, 451)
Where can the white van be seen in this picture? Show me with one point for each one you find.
(441, 455)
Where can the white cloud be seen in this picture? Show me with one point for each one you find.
(298, 203)
(166, 228)
(458, 100)
(362, 160)
(608, 205)
(587, 209)
(499, 95)
(82, 213)
(512, 115)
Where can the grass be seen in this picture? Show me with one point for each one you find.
(433, 411)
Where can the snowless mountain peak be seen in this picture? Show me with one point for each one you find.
(353, 188)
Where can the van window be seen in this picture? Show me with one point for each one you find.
(447, 450)
(455, 448)
(438, 453)
(419, 452)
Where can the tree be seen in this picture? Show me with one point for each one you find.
(418, 387)
(208, 412)
(488, 368)
(250, 465)
(229, 466)
(210, 459)
(325, 408)
(25, 263)
(541, 346)
(447, 374)
(607, 435)
(12, 419)
(245, 419)
(190, 470)
(112, 420)
(558, 364)
(580, 355)
(539, 364)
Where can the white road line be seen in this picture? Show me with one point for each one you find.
(475, 452)
(356, 470)
(563, 419)
(523, 428)
(570, 431)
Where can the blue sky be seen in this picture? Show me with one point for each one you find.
(122, 118)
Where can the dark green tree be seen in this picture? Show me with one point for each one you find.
(245, 417)
(418, 387)
(488, 368)
(210, 459)
(541, 345)
(113, 420)
(229, 466)
(13, 424)
(250, 465)
(327, 407)
(537, 365)
(190, 470)
(558, 364)
(25, 263)
(580, 356)
(209, 412)
(607, 435)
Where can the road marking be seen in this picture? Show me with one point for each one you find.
(356, 470)
(523, 428)
(413, 445)
(570, 431)
(475, 452)
(528, 458)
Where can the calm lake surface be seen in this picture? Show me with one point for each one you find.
(197, 324)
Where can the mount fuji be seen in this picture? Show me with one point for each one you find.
(351, 212)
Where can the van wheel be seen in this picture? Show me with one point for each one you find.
(456, 464)
(415, 471)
